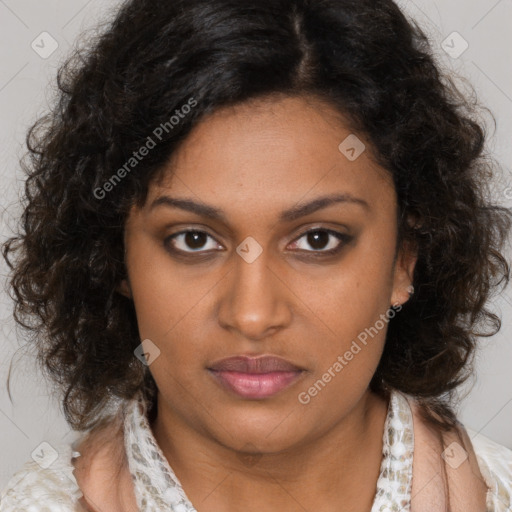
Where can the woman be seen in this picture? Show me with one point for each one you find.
(256, 255)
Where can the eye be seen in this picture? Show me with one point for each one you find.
(324, 241)
(190, 239)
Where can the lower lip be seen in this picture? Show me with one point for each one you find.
(256, 385)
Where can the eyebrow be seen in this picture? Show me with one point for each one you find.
(297, 211)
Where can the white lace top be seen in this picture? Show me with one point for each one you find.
(157, 489)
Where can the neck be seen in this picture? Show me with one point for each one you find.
(338, 470)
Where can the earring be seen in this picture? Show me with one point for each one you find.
(410, 291)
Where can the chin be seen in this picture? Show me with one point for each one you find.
(262, 435)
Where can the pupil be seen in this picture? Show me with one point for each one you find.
(194, 239)
(318, 236)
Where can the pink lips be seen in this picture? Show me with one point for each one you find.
(255, 378)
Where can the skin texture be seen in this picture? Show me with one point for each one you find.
(102, 472)
(253, 161)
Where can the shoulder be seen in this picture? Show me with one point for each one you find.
(44, 484)
(445, 468)
(488, 466)
(495, 462)
(102, 471)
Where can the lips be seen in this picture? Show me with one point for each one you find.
(247, 364)
(255, 377)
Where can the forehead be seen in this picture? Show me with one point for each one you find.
(280, 151)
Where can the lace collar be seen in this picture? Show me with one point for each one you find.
(157, 489)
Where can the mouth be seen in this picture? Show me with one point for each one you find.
(255, 377)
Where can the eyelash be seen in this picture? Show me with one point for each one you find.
(342, 237)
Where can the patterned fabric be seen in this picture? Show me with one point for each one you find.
(395, 479)
(496, 467)
(157, 489)
(156, 486)
(36, 489)
(163, 492)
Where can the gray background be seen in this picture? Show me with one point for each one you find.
(26, 79)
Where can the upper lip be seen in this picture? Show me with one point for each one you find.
(248, 364)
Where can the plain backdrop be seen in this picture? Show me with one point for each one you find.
(471, 37)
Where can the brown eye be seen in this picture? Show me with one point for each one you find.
(324, 241)
(190, 241)
(195, 239)
(318, 239)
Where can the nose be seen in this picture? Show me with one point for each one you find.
(255, 302)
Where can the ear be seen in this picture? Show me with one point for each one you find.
(403, 273)
(124, 288)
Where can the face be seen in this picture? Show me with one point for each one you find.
(238, 253)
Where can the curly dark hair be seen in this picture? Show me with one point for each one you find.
(366, 60)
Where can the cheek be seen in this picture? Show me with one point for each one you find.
(157, 291)
(350, 308)
(169, 301)
(359, 287)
